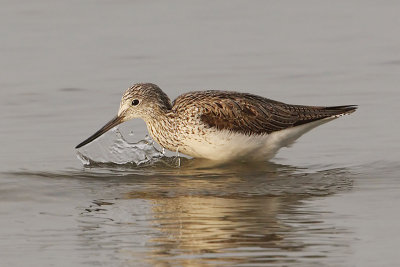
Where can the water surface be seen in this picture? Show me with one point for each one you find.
(330, 200)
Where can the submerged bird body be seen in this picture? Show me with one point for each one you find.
(219, 125)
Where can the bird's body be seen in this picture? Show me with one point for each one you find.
(220, 125)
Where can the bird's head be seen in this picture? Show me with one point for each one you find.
(143, 100)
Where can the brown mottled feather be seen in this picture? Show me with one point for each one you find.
(250, 114)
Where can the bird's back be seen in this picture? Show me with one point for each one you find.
(251, 114)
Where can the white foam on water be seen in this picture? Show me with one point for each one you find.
(114, 148)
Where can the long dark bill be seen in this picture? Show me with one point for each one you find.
(111, 124)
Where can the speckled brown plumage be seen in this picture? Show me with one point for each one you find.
(251, 114)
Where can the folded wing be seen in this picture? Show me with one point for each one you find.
(250, 114)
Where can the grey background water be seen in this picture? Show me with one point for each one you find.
(330, 200)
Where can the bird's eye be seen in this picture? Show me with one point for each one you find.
(135, 102)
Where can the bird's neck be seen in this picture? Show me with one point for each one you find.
(161, 127)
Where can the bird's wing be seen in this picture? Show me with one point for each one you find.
(251, 114)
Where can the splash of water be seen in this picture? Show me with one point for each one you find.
(116, 149)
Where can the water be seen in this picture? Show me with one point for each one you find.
(117, 150)
(330, 200)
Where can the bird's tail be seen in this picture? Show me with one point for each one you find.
(308, 114)
(339, 110)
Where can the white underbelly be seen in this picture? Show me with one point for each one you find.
(224, 145)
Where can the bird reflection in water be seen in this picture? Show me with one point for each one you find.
(227, 214)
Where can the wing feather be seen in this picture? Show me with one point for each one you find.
(251, 114)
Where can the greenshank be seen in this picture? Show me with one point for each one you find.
(219, 125)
